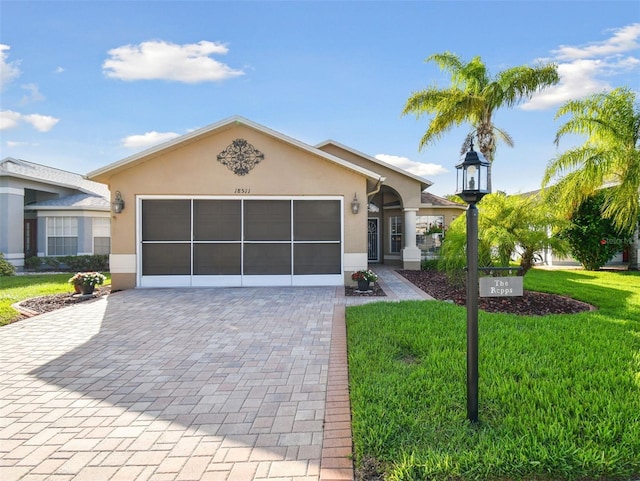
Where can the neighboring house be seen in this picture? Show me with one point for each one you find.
(549, 258)
(50, 212)
(238, 204)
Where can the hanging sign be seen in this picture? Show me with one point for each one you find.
(501, 286)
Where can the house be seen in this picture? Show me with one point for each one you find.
(50, 212)
(238, 204)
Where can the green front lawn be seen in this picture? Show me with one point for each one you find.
(18, 288)
(559, 395)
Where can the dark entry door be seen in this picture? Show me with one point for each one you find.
(30, 238)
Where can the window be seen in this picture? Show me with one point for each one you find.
(62, 236)
(101, 235)
(395, 226)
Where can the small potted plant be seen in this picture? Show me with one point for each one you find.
(85, 282)
(364, 277)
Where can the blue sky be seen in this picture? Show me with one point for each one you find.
(87, 83)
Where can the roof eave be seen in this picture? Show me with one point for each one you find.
(424, 182)
(174, 143)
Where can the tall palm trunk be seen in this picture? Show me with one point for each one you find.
(487, 146)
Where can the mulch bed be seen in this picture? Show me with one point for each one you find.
(432, 282)
(42, 304)
(530, 304)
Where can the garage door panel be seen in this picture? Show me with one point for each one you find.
(316, 220)
(267, 220)
(166, 220)
(310, 259)
(267, 259)
(217, 259)
(217, 220)
(166, 259)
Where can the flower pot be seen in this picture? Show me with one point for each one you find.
(363, 285)
(86, 289)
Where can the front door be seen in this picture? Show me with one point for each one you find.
(373, 247)
(30, 236)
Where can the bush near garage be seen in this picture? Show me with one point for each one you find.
(96, 262)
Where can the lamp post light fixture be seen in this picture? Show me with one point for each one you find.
(471, 186)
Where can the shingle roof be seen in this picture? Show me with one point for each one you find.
(76, 201)
(29, 170)
(428, 198)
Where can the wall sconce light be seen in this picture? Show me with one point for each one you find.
(355, 205)
(117, 205)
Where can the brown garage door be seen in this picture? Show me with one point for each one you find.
(240, 242)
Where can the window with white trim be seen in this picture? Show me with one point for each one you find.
(395, 229)
(62, 236)
(101, 235)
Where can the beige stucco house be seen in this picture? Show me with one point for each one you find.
(238, 204)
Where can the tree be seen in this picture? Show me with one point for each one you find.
(509, 227)
(592, 238)
(473, 97)
(609, 157)
(519, 227)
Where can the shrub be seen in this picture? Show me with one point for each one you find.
(588, 234)
(33, 262)
(6, 267)
(453, 256)
(430, 264)
(86, 263)
(69, 263)
(51, 263)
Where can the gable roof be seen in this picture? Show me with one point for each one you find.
(73, 202)
(22, 169)
(221, 126)
(424, 182)
(433, 200)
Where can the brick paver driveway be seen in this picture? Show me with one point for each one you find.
(170, 384)
(179, 384)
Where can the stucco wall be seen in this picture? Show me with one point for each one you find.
(191, 169)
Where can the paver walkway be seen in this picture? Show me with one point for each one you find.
(180, 384)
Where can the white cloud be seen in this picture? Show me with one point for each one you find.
(9, 119)
(417, 168)
(42, 123)
(189, 63)
(8, 70)
(34, 94)
(13, 143)
(148, 139)
(59, 70)
(583, 69)
(624, 39)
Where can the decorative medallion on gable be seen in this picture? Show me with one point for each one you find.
(240, 157)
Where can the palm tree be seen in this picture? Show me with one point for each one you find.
(609, 157)
(473, 97)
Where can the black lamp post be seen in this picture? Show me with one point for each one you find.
(471, 186)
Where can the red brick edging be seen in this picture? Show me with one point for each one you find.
(336, 463)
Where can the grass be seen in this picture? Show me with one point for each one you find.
(18, 288)
(559, 395)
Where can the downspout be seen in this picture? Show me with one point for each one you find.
(376, 188)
